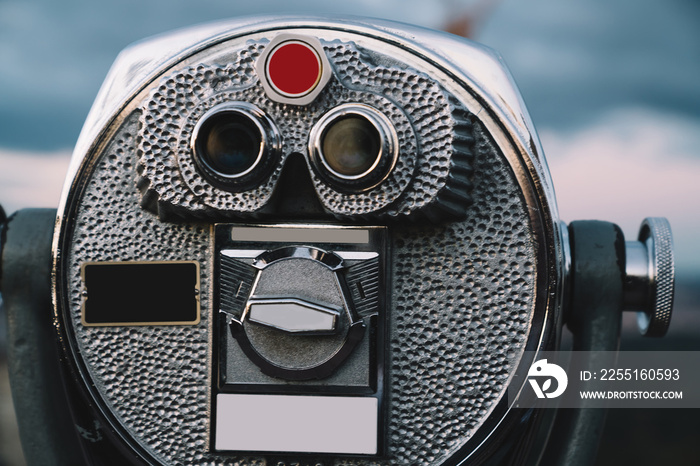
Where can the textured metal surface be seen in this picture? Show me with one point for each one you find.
(655, 232)
(433, 134)
(155, 379)
(462, 294)
(463, 302)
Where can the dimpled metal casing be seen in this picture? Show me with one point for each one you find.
(467, 294)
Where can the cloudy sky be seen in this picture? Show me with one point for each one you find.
(612, 87)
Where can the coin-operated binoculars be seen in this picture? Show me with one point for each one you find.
(307, 241)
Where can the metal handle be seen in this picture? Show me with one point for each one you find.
(650, 276)
(609, 274)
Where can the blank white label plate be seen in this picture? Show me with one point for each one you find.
(298, 424)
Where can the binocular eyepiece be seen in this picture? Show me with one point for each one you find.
(310, 241)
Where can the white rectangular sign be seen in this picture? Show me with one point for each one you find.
(298, 424)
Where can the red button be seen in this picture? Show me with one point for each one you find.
(294, 68)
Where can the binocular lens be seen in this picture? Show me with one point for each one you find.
(231, 143)
(351, 146)
(235, 145)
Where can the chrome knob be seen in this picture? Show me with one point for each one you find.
(650, 276)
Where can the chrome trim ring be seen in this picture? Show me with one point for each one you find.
(380, 168)
(269, 150)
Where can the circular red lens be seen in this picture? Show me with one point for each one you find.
(294, 68)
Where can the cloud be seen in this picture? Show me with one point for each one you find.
(575, 60)
(630, 164)
(31, 179)
(54, 55)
